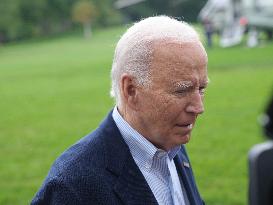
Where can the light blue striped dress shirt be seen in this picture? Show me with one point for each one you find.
(156, 165)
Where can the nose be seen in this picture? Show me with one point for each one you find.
(196, 105)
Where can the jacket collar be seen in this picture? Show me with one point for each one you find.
(186, 177)
(130, 184)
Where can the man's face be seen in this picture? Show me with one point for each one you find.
(169, 107)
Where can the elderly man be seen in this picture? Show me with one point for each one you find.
(136, 156)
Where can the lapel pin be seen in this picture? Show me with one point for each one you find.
(186, 164)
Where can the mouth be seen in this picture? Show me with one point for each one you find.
(187, 126)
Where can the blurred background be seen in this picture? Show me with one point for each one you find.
(55, 61)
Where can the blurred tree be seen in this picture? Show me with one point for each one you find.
(27, 18)
(84, 12)
(24, 19)
(32, 15)
(188, 10)
(21, 19)
(184, 9)
(107, 15)
(58, 15)
(10, 21)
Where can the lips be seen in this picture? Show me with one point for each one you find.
(188, 126)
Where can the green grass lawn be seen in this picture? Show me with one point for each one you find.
(55, 91)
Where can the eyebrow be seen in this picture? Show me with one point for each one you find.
(189, 84)
(184, 84)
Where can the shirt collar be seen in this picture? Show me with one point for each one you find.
(143, 151)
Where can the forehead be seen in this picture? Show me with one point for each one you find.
(174, 62)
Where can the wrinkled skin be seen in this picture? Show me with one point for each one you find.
(165, 112)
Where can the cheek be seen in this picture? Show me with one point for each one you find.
(163, 109)
(156, 108)
(170, 109)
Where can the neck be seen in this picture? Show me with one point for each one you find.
(125, 112)
(134, 120)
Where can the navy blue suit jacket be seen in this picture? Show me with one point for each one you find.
(99, 169)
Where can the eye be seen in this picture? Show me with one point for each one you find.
(180, 91)
(202, 90)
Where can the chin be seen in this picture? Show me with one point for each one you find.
(185, 139)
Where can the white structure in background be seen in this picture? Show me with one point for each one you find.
(119, 4)
(231, 17)
(126, 3)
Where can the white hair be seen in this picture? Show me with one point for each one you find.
(134, 50)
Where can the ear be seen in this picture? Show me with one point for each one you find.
(129, 90)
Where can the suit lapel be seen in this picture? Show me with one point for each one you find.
(186, 176)
(130, 185)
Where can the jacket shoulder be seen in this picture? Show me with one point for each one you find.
(79, 173)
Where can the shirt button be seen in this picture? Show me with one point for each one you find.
(161, 154)
(147, 166)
